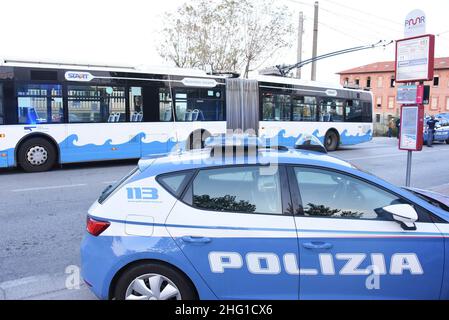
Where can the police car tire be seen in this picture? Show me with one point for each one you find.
(36, 143)
(447, 141)
(184, 286)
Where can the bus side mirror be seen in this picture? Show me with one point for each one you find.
(404, 214)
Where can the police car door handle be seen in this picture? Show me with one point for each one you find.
(198, 240)
(317, 245)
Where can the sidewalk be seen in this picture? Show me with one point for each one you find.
(43, 287)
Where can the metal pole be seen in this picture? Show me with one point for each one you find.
(300, 33)
(315, 40)
(409, 168)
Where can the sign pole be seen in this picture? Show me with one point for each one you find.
(414, 62)
(409, 169)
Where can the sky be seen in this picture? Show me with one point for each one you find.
(127, 32)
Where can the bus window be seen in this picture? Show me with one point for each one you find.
(165, 105)
(367, 112)
(304, 108)
(331, 110)
(2, 112)
(276, 107)
(135, 104)
(39, 103)
(199, 105)
(96, 104)
(353, 111)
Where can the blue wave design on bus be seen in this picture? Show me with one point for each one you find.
(345, 138)
(7, 161)
(134, 148)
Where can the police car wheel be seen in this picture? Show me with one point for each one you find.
(447, 141)
(36, 155)
(153, 282)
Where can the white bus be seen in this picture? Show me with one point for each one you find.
(64, 113)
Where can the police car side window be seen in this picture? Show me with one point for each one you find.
(238, 189)
(330, 194)
(175, 182)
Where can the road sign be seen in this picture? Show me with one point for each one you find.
(415, 58)
(415, 24)
(412, 126)
(410, 94)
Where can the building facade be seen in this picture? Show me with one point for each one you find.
(379, 78)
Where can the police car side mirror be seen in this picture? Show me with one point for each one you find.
(404, 214)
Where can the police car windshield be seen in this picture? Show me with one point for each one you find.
(113, 187)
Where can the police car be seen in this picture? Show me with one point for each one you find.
(276, 223)
(441, 130)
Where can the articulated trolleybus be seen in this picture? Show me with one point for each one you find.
(64, 113)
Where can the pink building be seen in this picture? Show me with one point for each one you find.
(378, 77)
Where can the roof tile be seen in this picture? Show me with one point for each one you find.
(388, 66)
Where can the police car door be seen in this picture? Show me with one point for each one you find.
(232, 224)
(350, 247)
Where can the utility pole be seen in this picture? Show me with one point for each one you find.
(300, 33)
(315, 40)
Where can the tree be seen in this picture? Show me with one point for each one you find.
(229, 35)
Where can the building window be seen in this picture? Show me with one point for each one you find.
(392, 82)
(447, 103)
(390, 102)
(436, 81)
(434, 103)
(357, 82)
(96, 104)
(368, 82)
(39, 103)
(379, 102)
(377, 117)
(379, 82)
(346, 82)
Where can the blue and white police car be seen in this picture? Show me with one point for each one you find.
(273, 224)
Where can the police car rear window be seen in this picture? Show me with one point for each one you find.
(112, 188)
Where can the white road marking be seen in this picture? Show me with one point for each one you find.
(403, 154)
(51, 187)
(109, 182)
(375, 157)
(440, 186)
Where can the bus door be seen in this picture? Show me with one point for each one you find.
(98, 128)
(151, 113)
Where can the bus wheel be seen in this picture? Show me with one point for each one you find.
(36, 155)
(331, 141)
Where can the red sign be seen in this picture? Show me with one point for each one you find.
(415, 59)
(412, 127)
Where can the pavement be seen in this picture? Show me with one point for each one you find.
(43, 214)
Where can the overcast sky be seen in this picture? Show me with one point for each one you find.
(125, 32)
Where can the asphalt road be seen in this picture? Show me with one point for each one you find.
(43, 214)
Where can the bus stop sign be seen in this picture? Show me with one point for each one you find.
(412, 127)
